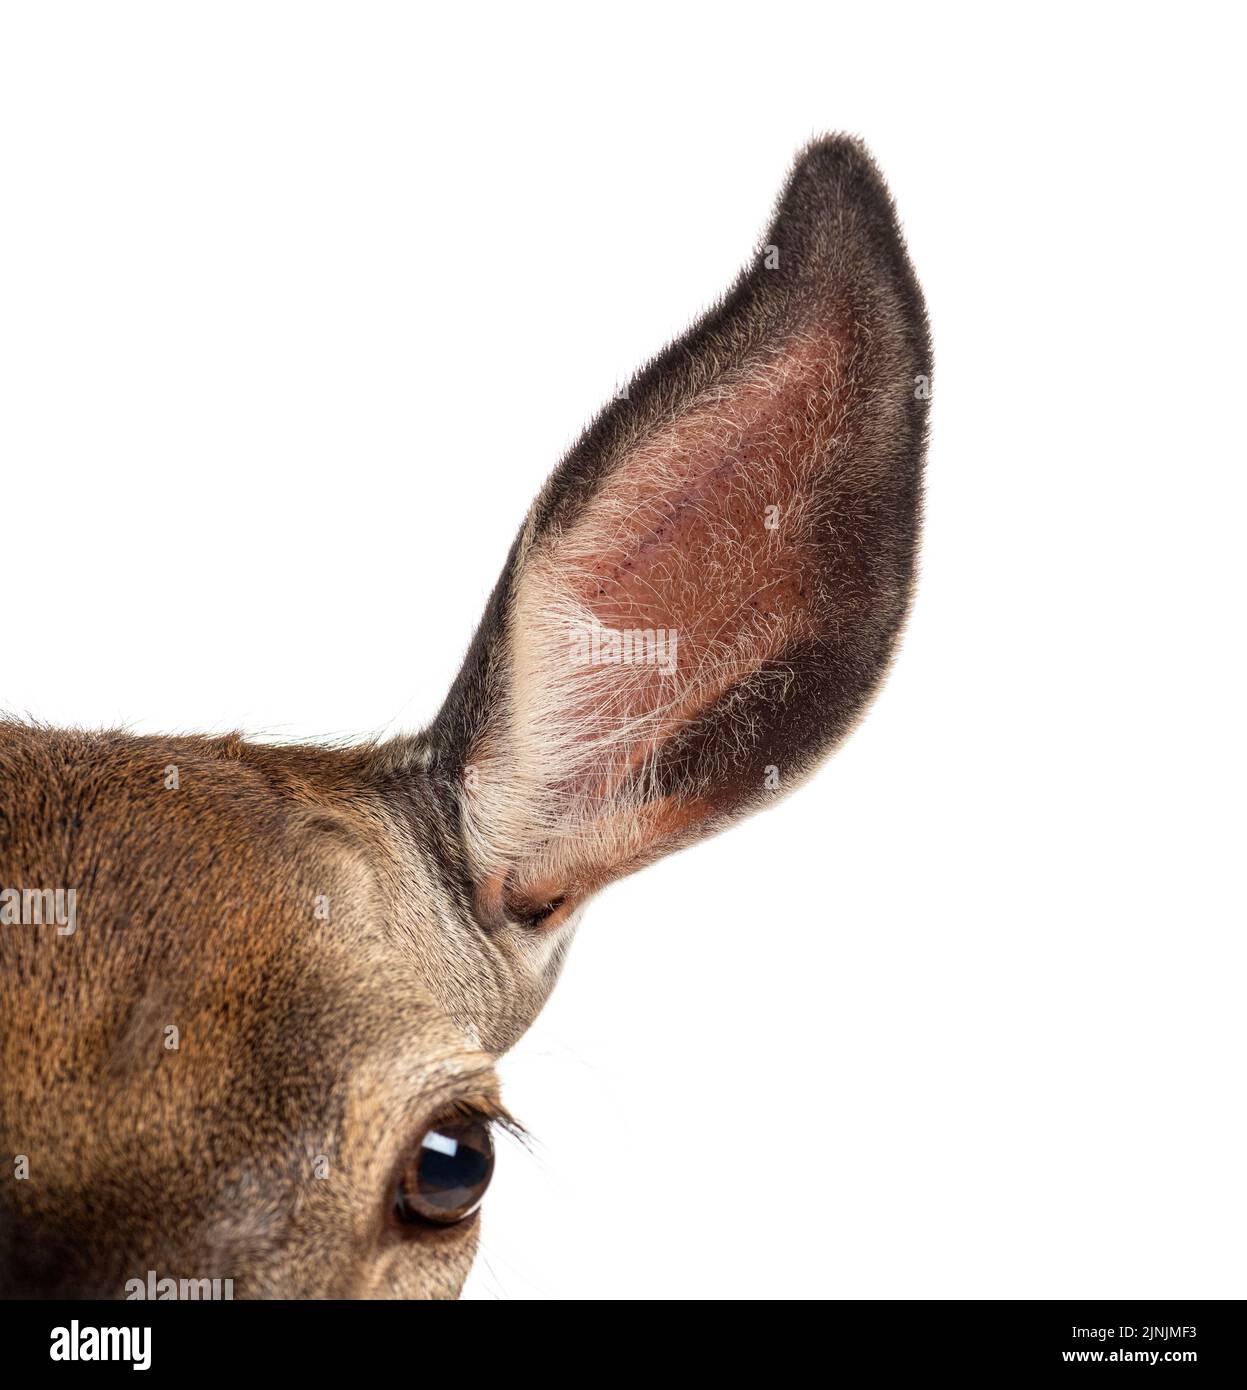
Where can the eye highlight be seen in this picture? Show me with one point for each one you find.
(445, 1178)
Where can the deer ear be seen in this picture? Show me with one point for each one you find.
(708, 589)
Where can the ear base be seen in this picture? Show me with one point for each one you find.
(751, 508)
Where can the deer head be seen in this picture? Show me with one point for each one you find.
(251, 997)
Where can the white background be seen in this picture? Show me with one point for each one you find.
(298, 305)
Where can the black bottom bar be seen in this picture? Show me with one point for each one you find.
(937, 1338)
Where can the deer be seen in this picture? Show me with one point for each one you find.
(266, 1052)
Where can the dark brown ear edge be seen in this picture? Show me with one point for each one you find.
(836, 176)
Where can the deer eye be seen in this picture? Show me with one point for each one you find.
(446, 1176)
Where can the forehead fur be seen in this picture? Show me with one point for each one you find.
(270, 911)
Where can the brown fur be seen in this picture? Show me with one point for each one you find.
(453, 863)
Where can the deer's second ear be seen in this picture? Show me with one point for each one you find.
(709, 588)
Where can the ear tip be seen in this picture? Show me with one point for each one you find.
(835, 147)
(833, 171)
(837, 215)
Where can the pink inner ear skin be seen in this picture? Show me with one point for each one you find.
(712, 529)
(725, 534)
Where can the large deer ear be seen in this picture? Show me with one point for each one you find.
(708, 589)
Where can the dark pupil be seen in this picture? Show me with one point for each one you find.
(452, 1169)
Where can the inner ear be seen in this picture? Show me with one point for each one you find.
(712, 551)
(704, 563)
